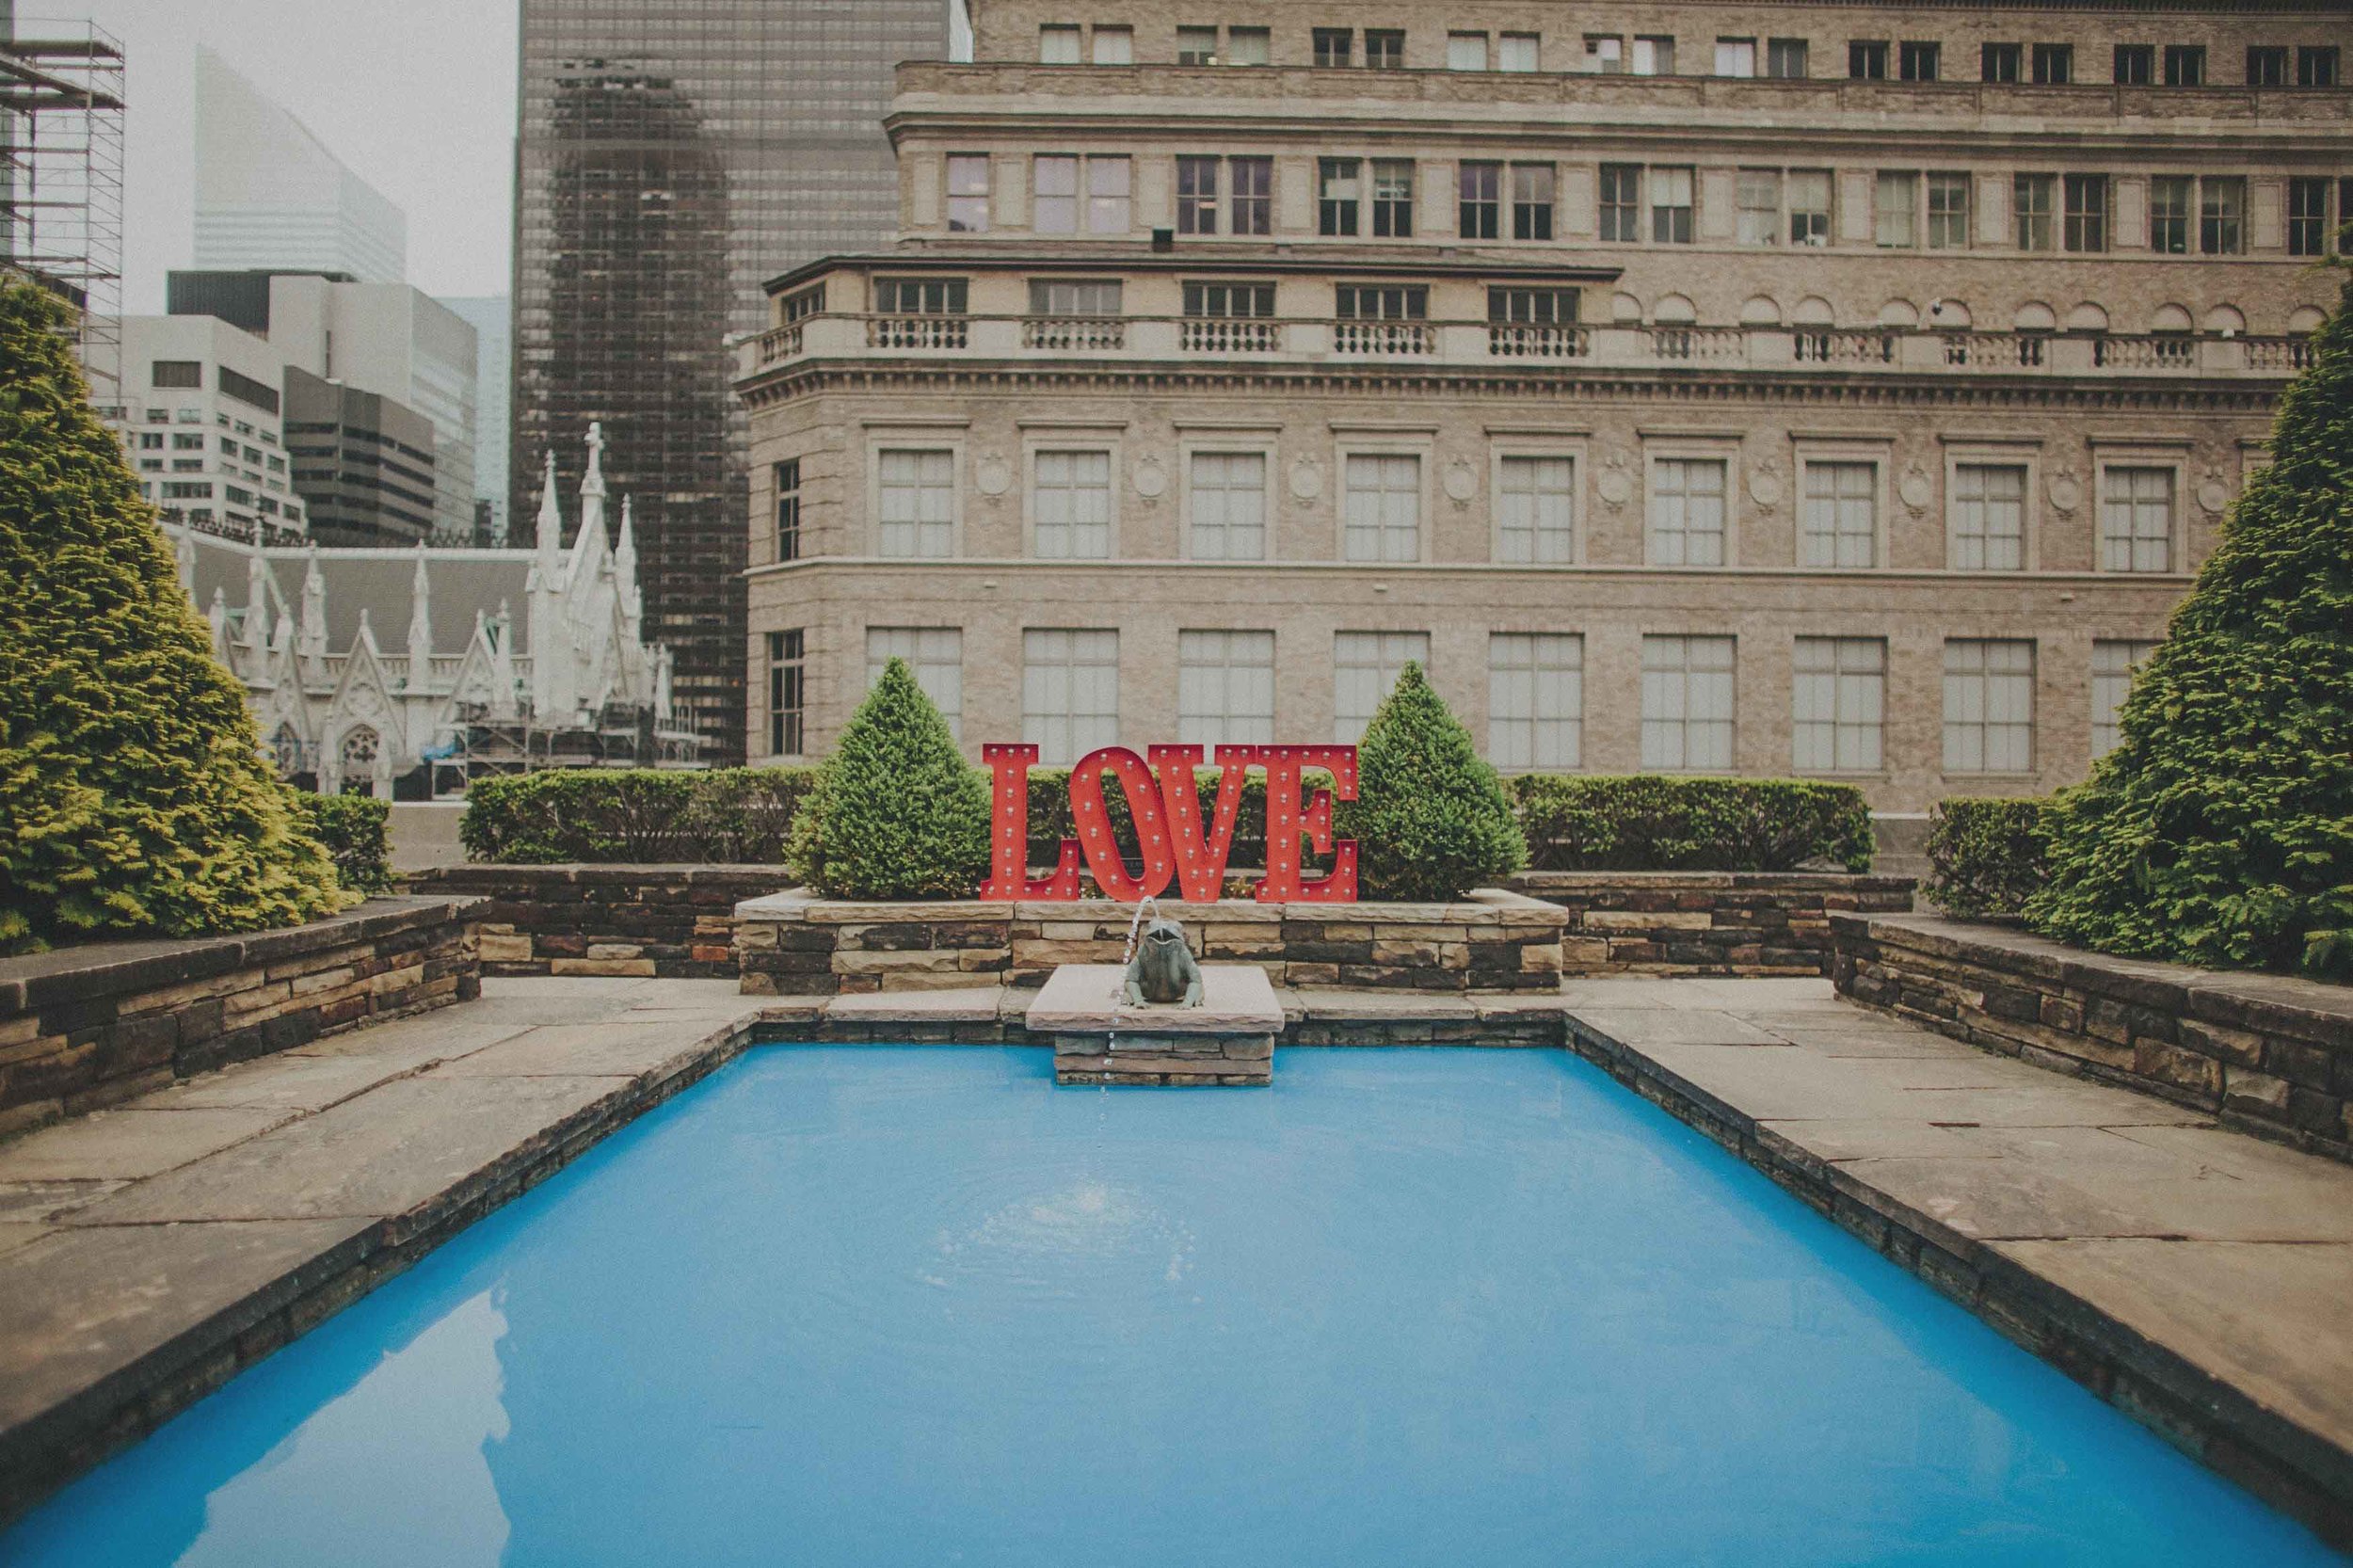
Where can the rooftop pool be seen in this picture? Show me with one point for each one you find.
(867, 1306)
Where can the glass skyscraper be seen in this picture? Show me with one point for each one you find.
(672, 156)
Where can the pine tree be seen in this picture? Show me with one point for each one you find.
(1431, 819)
(896, 811)
(132, 793)
(2221, 830)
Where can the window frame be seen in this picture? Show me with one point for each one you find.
(1069, 442)
(1656, 761)
(882, 440)
(1209, 731)
(1571, 724)
(918, 664)
(2108, 464)
(2025, 456)
(1723, 452)
(1984, 723)
(1035, 718)
(787, 692)
(1811, 454)
(1502, 454)
(1418, 453)
(1382, 664)
(1191, 449)
(1871, 676)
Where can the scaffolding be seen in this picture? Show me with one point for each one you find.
(61, 86)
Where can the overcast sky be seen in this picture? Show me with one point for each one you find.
(416, 96)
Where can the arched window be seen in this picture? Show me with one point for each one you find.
(285, 749)
(2034, 317)
(2226, 321)
(358, 762)
(1760, 310)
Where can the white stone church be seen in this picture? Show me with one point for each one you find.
(505, 657)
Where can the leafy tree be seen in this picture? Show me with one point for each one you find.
(132, 793)
(2221, 830)
(896, 811)
(1430, 818)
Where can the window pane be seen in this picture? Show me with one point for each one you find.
(1687, 512)
(934, 653)
(1364, 668)
(1758, 200)
(1839, 526)
(1073, 506)
(1838, 698)
(1894, 210)
(1383, 509)
(2137, 520)
(1536, 511)
(1055, 199)
(1228, 507)
(1535, 700)
(2113, 666)
(1989, 706)
(1687, 704)
(1069, 693)
(1106, 196)
(1225, 688)
(916, 503)
(1989, 517)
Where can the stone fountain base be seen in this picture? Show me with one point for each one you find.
(1228, 1040)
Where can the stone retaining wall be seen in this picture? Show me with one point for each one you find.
(793, 944)
(677, 922)
(88, 1026)
(1707, 922)
(2265, 1053)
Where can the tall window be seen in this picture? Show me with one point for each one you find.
(1989, 517)
(1786, 58)
(1622, 202)
(1535, 700)
(1671, 206)
(1895, 209)
(1058, 45)
(1605, 54)
(2113, 666)
(1247, 46)
(1756, 201)
(1867, 59)
(968, 194)
(1054, 194)
(917, 503)
(1228, 508)
(1736, 56)
(1253, 210)
(2054, 63)
(2266, 67)
(1989, 705)
(788, 477)
(1107, 195)
(1654, 55)
(2221, 215)
(1364, 668)
(1839, 697)
(2033, 199)
(1517, 52)
(1392, 198)
(2170, 198)
(1531, 201)
(1196, 196)
(1949, 212)
(2316, 65)
(1466, 51)
(1073, 506)
(2184, 65)
(1196, 45)
(2136, 64)
(2137, 520)
(787, 689)
(933, 655)
(1918, 62)
(1536, 511)
(1999, 63)
(1809, 206)
(1382, 507)
(1332, 45)
(2308, 218)
(1114, 46)
(2087, 211)
(1480, 203)
(1339, 188)
(1687, 704)
(1687, 512)
(1069, 693)
(1838, 525)
(1384, 49)
(1224, 689)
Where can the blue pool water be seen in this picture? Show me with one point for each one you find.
(864, 1307)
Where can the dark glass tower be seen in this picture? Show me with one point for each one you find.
(672, 156)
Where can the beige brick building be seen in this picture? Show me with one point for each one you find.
(1841, 391)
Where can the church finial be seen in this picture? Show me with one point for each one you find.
(420, 623)
(594, 483)
(551, 513)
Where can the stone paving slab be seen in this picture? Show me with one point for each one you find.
(2198, 1278)
(130, 1142)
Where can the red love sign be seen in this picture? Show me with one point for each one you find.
(1171, 836)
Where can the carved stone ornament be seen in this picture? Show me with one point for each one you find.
(1150, 480)
(992, 476)
(2213, 494)
(1764, 490)
(2065, 490)
(1306, 479)
(1461, 483)
(1915, 490)
(1615, 486)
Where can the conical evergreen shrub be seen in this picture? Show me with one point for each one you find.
(132, 793)
(896, 811)
(2221, 830)
(1431, 819)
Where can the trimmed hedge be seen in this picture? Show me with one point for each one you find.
(1431, 820)
(354, 829)
(562, 816)
(1987, 856)
(896, 811)
(1658, 822)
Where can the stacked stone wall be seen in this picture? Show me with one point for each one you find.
(87, 1027)
(677, 922)
(2265, 1053)
(1745, 924)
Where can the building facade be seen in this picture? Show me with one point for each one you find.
(362, 464)
(1839, 390)
(270, 194)
(672, 157)
(202, 419)
(491, 319)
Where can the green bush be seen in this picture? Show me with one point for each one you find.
(1431, 819)
(354, 829)
(132, 793)
(896, 811)
(1985, 857)
(1655, 822)
(2221, 829)
(645, 816)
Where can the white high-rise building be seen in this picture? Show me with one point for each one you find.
(492, 319)
(270, 194)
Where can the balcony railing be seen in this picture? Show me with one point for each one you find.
(1800, 349)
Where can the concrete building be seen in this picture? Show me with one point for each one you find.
(1843, 391)
(270, 194)
(671, 158)
(362, 464)
(386, 339)
(202, 417)
(505, 657)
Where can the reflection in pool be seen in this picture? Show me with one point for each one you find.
(860, 1306)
